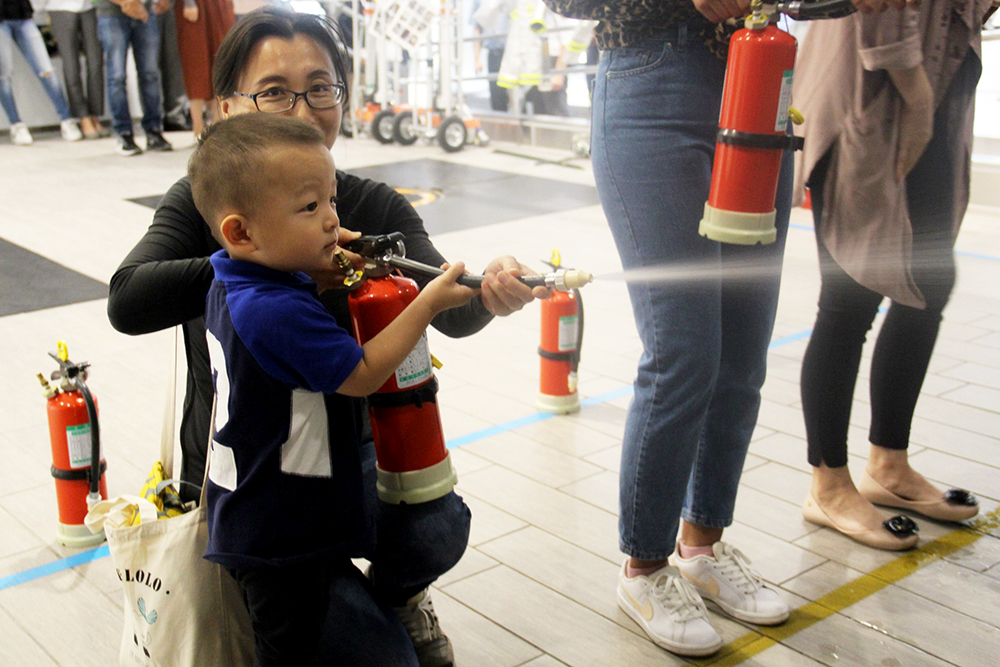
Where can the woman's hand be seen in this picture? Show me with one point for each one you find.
(134, 9)
(718, 11)
(191, 14)
(502, 292)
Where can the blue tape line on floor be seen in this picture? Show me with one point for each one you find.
(977, 255)
(51, 568)
(101, 552)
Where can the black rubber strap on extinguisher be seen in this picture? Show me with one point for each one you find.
(417, 396)
(76, 475)
(573, 356)
(780, 142)
(558, 356)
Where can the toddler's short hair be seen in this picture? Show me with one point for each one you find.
(228, 168)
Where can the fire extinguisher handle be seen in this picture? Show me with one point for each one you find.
(467, 279)
(562, 279)
(470, 280)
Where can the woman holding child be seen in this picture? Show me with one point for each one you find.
(271, 55)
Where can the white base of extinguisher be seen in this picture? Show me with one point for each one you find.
(77, 537)
(558, 405)
(737, 227)
(416, 486)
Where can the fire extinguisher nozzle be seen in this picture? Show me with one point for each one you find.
(563, 280)
(574, 279)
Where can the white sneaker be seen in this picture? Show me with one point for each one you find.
(432, 646)
(728, 581)
(71, 130)
(669, 610)
(19, 134)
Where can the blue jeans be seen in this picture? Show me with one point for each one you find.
(415, 544)
(29, 41)
(329, 613)
(321, 613)
(117, 33)
(697, 391)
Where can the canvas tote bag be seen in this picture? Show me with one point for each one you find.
(180, 609)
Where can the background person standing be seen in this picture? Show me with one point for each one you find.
(201, 26)
(74, 25)
(18, 27)
(122, 24)
(889, 103)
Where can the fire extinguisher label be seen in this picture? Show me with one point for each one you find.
(784, 101)
(79, 442)
(416, 368)
(567, 333)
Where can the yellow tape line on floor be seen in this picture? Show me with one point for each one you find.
(837, 600)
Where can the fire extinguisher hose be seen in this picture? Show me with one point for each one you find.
(579, 330)
(94, 472)
(811, 11)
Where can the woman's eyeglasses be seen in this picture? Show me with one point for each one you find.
(279, 100)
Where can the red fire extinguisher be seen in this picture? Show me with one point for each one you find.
(559, 351)
(752, 135)
(413, 463)
(74, 436)
(752, 138)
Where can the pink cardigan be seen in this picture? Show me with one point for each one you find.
(841, 64)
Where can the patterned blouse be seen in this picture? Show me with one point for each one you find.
(625, 22)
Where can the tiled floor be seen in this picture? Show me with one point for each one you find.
(536, 586)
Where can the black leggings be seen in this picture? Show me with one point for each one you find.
(846, 309)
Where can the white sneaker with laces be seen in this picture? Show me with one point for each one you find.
(20, 135)
(432, 646)
(417, 614)
(728, 581)
(669, 610)
(71, 130)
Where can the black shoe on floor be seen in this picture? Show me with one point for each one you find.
(127, 145)
(156, 142)
(176, 123)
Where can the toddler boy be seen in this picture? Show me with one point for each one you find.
(285, 496)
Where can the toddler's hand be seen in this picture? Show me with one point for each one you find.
(444, 292)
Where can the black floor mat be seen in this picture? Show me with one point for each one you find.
(455, 196)
(464, 197)
(31, 282)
